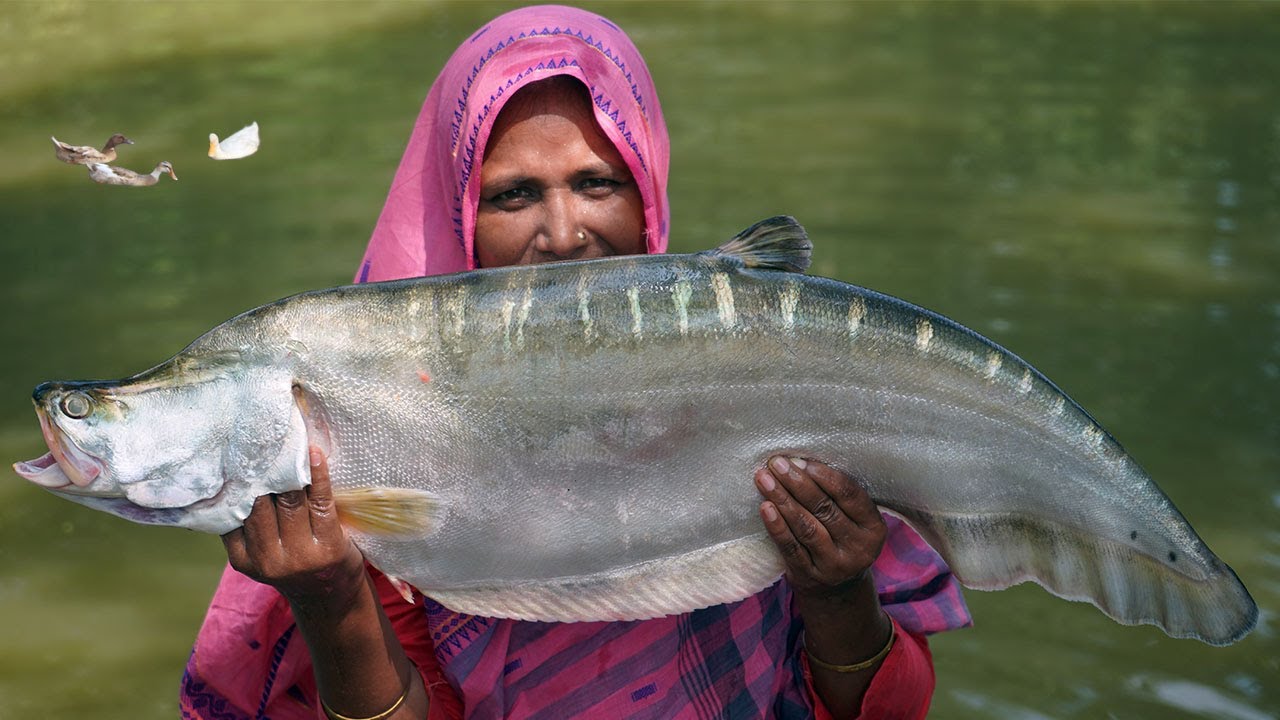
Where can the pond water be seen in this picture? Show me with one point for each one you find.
(1094, 186)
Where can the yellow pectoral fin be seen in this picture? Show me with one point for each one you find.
(391, 512)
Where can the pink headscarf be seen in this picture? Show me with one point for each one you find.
(427, 226)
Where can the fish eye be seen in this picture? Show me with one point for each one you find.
(76, 405)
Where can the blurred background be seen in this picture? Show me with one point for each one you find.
(1094, 186)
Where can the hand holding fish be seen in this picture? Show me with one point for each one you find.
(827, 528)
(829, 532)
(294, 542)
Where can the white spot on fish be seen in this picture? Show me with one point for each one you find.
(787, 300)
(1024, 385)
(994, 361)
(680, 296)
(724, 299)
(924, 334)
(456, 307)
(508, 307)
(637, 317)
(1093, 435)
(584, 309)
(857, 312)
(525, 306)
(1059, 405)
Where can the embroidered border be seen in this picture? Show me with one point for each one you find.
(605, 105)
(198, 702)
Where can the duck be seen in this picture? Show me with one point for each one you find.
(87, 154)
(111, 175)
(242, 144)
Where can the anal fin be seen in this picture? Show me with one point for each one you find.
(723, 573)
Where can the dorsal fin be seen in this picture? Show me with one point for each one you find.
(779, 243)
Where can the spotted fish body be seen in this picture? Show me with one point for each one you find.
(581, 437)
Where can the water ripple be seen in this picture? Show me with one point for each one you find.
(1195, 698)
(993, 708)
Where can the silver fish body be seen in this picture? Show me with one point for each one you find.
(584, 435)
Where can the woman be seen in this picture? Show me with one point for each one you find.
(543, 140)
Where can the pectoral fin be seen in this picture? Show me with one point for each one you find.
(391, 512)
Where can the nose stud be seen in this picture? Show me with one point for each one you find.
(582, 235)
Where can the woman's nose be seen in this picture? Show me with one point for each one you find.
(564, 234)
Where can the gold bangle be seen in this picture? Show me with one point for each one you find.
(858, 666)
(408, 686)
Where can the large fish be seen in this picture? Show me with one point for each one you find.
(576, 441)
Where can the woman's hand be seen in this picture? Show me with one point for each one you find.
(829, 533)
(826, 526)
(294, 542)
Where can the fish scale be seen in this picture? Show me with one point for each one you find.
(576, 441)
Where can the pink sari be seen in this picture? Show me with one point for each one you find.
(738, 660)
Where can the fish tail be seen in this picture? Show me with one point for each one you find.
(1203, 599)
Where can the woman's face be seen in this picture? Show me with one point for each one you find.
(552, 186)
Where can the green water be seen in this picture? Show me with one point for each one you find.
(1097, 187)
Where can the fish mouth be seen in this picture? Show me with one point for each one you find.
(64, 464)
(43, 471)
(47, 473)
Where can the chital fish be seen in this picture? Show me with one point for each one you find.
(576, 441)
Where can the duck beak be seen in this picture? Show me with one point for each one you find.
(172, 174)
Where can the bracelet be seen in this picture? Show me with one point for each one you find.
(858, 666)
(408, 686)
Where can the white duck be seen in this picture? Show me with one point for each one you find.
(242, 144)
(87, 154)
(111, 175)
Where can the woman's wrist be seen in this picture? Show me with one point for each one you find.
(409, 686)
(846, 668)
(331, 591)
(845, 627)
(361, 669)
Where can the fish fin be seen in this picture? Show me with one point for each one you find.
(316, 420)
(405, 589)
(720, 574)
(402, 512)
(778, 243)
(1202, 600)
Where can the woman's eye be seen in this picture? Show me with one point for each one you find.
(599, 186)
(514, 198)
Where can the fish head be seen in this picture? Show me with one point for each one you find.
(185, 446)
